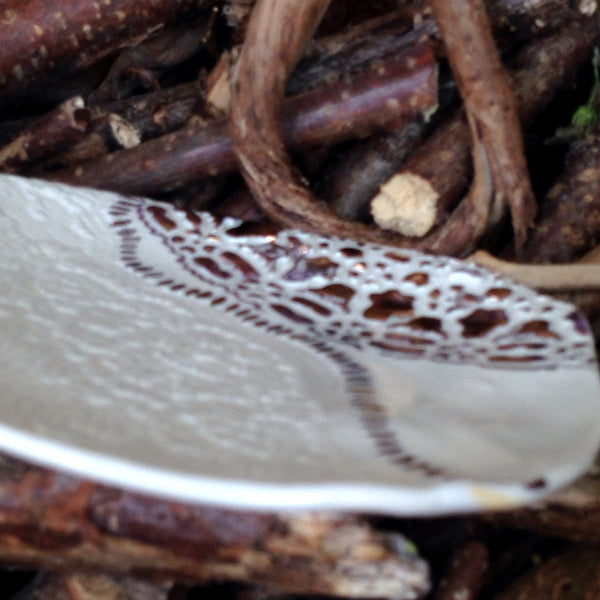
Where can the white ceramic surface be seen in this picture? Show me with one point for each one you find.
(164, 352)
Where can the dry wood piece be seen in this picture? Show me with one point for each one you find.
(105, 134)
(142, 63)
(549, 278)
(257, 95)
(442, 166)
(52, 521)
(60, 127)
(40, 37)
(377, 99)
(500, 171)
(443, 161)
(353, 179)
(463, 578)
(160, 112)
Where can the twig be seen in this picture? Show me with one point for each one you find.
(105, 134)
(463, 578)
(257, 96)
(443, 160)
(372, 101)
(550, 278)
(160, 112)
(86, 586)
(349, 183)
(572, 574)
(569, 221)
(56, 37)
(54, 131)
(52, 521)
(500, 170)
(143, 62)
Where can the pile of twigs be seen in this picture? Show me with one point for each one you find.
(441, 125)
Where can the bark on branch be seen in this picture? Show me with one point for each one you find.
(443, 161)
(500, 170)
(64, 125)
(41, 37)
(257, 94)
(51, 521)
(372, 101)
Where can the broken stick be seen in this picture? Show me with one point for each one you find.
(51, 521)
(64, 125)
(500, 170)
(57, 37)
(377, 99)
(443, 162)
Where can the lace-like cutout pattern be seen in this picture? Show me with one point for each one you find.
(318, 289)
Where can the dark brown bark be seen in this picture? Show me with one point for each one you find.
(336, 57)
(152, 114)
(520, 19)
(52, 521)
(574, 574)
(257, 94)
(351, 181)
(375, 100)
(54, 131)
(463, 578)
(241, 205)
(342, 55)
(160, 112)
(511, 18)
(568, 225)
(500, 175)
(144, 62)
(332, 59)
(41, 37)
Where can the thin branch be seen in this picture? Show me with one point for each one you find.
(500, 170)
(569, 221)
(59, 128)
(374, 100)
(51, 521)
(577, 277)
(57, 37)
(257, 94)
(443, 161)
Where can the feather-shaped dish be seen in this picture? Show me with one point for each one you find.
(163, 351)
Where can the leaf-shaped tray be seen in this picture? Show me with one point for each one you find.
(166, 352)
